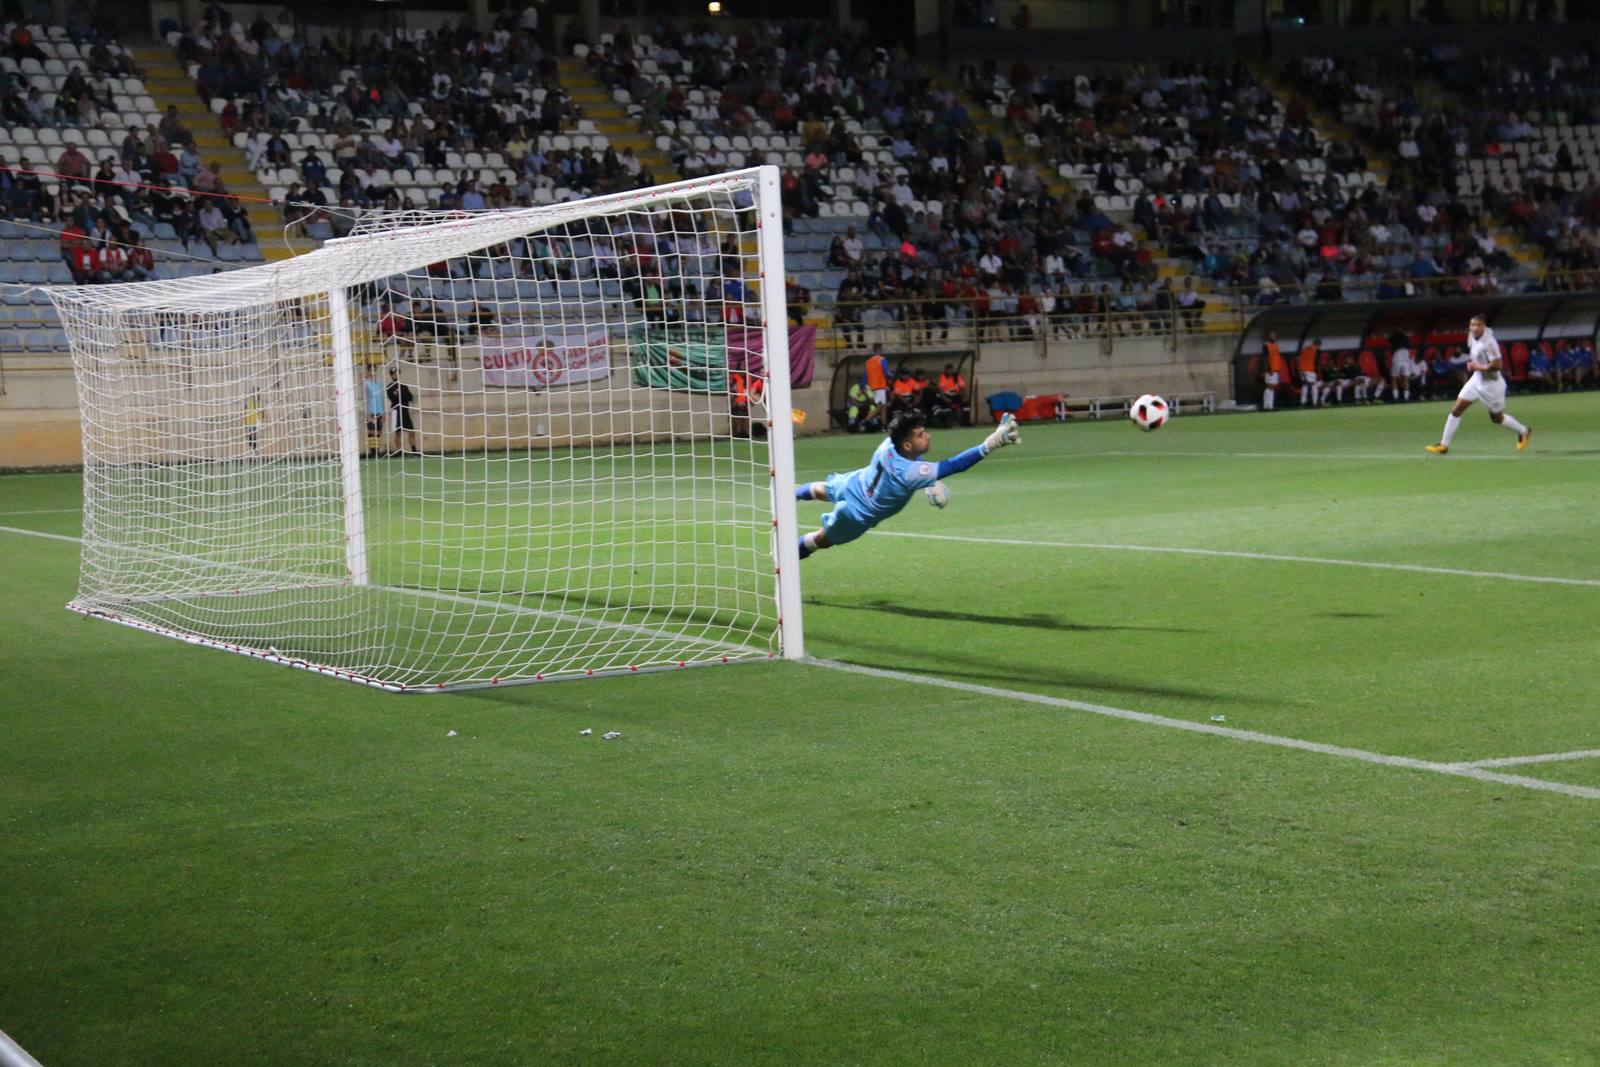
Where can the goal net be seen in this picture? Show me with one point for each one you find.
(473, 450)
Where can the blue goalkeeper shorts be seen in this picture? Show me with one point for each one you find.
(845, 522)
(844, 525)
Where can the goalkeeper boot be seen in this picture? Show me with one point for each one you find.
(1522, 438)
(1438, 450)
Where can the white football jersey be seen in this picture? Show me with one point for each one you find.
(1484, 349)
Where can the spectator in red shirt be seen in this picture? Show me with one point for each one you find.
(84, 262)
(141, 264)
(72, 237)
(72, 163)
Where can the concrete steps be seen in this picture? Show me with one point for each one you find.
(611, 118)
(1017, 150)
(169, 85)
(1331, 129)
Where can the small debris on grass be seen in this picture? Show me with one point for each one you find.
(585, 732)
(452, 733)
(613, 735)
(1219, 718)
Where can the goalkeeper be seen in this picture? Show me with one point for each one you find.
(866, 497)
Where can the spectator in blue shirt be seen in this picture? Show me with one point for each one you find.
(1541, 369)
(374, 392)
(1575, 366)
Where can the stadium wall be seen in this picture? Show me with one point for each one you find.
(1201, 363)
(39, 409)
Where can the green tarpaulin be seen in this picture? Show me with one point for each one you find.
(695, 359)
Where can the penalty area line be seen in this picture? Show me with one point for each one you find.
(1273, 557)
(1457, 770)
(40, 533)
(1309, 457)
(1547, 757)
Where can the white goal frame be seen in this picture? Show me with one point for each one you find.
(98, 317)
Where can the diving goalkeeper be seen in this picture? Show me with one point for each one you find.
(866, 497)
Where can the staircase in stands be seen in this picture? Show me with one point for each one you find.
(1331, 128)
(1018, 151)
(169, 84)
(612, 119)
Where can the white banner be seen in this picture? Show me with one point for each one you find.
(545, 360)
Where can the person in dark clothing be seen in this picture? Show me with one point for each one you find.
(402, 401)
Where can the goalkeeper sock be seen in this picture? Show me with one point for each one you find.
(808, 544)
(1513, 425)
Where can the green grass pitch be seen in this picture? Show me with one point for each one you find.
(208, 860)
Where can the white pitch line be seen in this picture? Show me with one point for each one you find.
(1311, 457)
(41, 511)
(1416, 568)
(560, 616)
(40, 533)
(1548, 757)
(1459, 770)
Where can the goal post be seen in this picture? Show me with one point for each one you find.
(457, 450)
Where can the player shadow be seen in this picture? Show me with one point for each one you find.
(1040, 680)
(1033, 622)
(1348, 615)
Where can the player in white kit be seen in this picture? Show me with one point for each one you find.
(1486, 384)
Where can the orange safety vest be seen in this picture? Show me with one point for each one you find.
(740, 397)
(947, 384)
(1308, 359)
(1275, 362)
(877, 372)
(904, 387)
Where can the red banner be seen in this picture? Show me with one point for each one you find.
(545, 361)
(745, 346)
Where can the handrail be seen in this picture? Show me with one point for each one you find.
(1248, 295)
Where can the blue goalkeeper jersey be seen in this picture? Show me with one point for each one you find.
(884, 485)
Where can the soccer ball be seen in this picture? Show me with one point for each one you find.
(1149, 412)
(938, 495)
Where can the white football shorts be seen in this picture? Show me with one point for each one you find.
(1491, 391)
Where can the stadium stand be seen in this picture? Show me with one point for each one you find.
(446, 119)
(1164, 194)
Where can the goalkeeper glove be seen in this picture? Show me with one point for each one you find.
(1004, 434)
